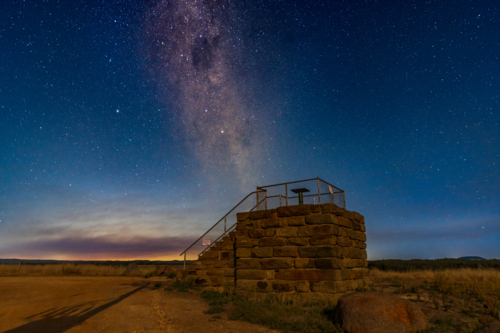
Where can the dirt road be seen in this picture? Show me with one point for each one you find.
(105, 304)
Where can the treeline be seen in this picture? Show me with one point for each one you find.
(433, 264)
(92, 262)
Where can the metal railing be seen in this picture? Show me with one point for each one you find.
(270, 197)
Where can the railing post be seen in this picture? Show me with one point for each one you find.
(257, 195)
(286, 193)
(319, 195)
(184, 260)
(280, 199)
(266, 199)
(225, 221)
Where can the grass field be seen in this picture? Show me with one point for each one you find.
(454, 300)
(61, 270)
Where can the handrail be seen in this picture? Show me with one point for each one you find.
(228, 230)
(216, 223)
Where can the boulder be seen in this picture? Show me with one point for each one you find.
(163, 269)
(160, 269)
(490, 328)
(378, 312)
(132, 270)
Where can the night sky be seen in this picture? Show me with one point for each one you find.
(129, 127)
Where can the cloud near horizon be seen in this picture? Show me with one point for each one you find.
(100, 248)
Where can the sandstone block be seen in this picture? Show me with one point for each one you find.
(362, 228)
(270, 274)
(248, 263)
(257, 233)
(221, 263)
(262, 214)
(263, 286)
(277, 263)
(201, 272)
(302, 286)
(349, 215)
(270, 232)
(351, 285)
(272, 241)
(243, 252)
(326, 218)
(329, 287)
(294, 221)
(349, 263)
(331, 208)
(356, 225)
(323, 240)
(216, 281)
(345, 222)
(323, 299)
(250, 274)
(298, 241)
(318, 230)
(347, 274)
(358, 217)
(229, 272)
(262, 252)
(360, 273)
(215, 272)
(282, 286)
(330, 263)
(293, 210)
(287, 232)
(202, 281)
(242, 216)
(286, 251)
(355, 253)
(246, 242)
(359, 245)
(246, 225)
(324, 251)
(309, 274)
(345, 241)
(247, 285)
(271, 223)
(304, 263)
(315, 209)
(241, 234)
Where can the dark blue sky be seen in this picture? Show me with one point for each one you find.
(129, 127)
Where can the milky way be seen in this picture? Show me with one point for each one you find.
(193, 52)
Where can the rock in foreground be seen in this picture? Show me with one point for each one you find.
(378, 312)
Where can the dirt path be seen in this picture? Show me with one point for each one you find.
(105, 304)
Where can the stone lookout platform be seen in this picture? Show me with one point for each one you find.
(312, 253)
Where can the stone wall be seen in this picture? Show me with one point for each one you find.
(215, 268)
(310, 253)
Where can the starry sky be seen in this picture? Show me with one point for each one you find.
(129, 127)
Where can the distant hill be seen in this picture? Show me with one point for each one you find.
(432, 264)
(91, 262)
(472, 258)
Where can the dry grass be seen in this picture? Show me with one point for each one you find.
(455, 300)
(60, 270)
(464, 281)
